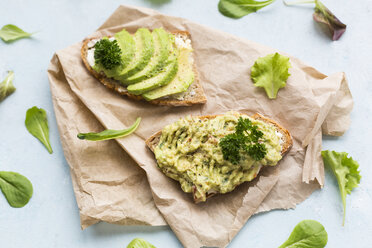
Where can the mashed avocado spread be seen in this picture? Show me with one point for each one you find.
(188, 152)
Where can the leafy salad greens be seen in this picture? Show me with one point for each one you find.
(10, 32)
(246, 138)
(37, 124)
(239, 8)
(16, 188)
(109, 133)
(140, 243)
(6, 87)
(307, 234)
(346, 171)
(271, 73)
(323, 15)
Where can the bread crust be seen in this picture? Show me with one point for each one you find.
(153, 141)
(197, 98)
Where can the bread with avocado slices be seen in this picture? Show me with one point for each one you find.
(155, 66)
(188, 153)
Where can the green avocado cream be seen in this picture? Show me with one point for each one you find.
(188, 152)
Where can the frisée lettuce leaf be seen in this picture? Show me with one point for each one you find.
(271, 73)
(346, 171)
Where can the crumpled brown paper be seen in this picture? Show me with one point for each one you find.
(110, 187)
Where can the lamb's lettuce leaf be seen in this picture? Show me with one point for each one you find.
(6, 87)
(307, 234)
(10, 32)
(271, 73)
(37, 124)
(346, 171)
(109, 133)
(239, 8)
(16, 188)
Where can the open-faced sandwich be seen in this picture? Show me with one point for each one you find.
(157, 66)
(214, 154)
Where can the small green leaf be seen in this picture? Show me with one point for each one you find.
(11, 32)
(109, 133)
(346, 171)
(140, 243)
(271, 73)
(307, 234)
(37, 124)
(16, 188)
(6, 87)
(239, 8)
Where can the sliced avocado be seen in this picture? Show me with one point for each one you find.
(163, 47)
(163, 78)
(142, 56)
(128, 48)
(184, 78)
(127, 45)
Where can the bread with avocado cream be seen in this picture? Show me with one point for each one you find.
(156, 66)
(190, 152)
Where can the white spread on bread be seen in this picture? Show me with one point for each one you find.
(280, 136)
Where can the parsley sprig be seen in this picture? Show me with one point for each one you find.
(107, 53)
(245, 139)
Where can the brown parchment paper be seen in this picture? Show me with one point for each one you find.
(109, 186)
(105, 179)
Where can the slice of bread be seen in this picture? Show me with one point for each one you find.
(286, 139)
(194, 95)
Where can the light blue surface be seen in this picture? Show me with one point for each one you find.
(51, 218)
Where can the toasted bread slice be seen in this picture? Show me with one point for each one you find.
(286, 139)
(194, 95)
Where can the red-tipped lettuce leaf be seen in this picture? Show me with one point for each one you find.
(323, 15)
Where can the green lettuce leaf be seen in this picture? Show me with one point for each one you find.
(6, 87)
(307, 234)
(239, 8)
(37, 124)
(140, 243)
(109, 133)
(271, 73)
(16, 188)
(11, 32)
(346, 171)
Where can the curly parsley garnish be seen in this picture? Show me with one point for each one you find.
(245, 139)
(107, 53)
